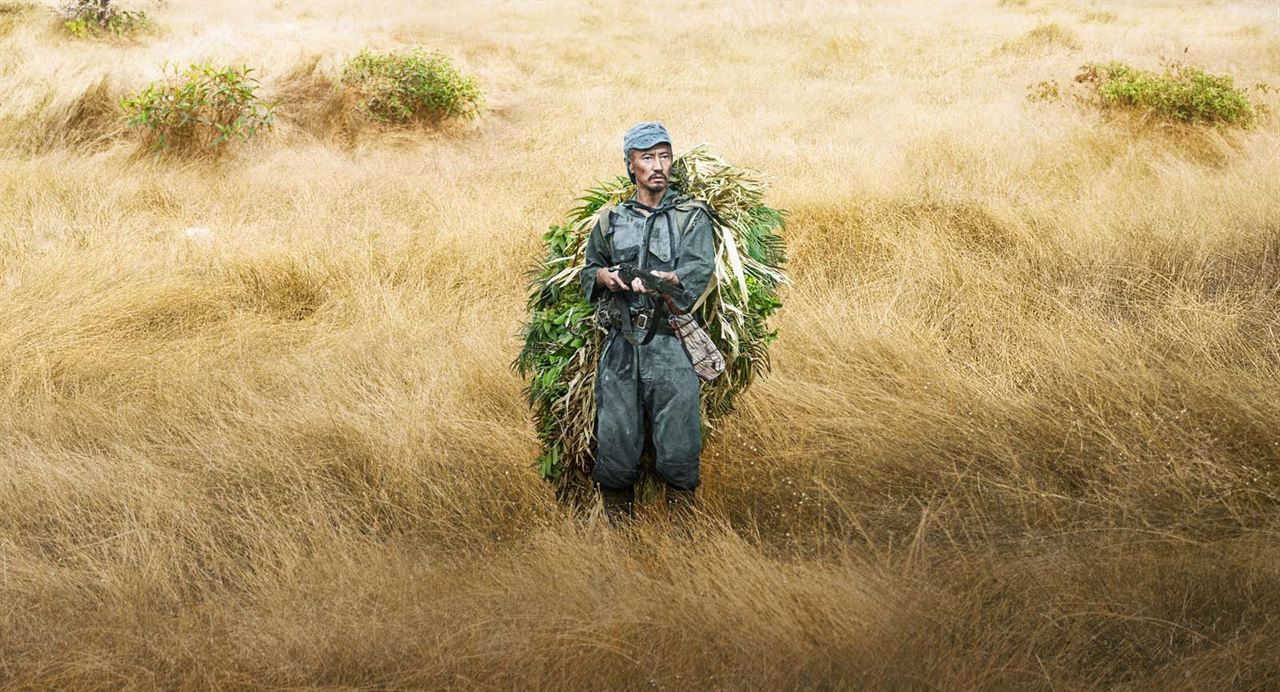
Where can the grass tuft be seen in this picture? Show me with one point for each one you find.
(1042, 39)
(1099, 17)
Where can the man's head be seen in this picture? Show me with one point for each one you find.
(647, 151)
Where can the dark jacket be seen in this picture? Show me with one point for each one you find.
(680, 240)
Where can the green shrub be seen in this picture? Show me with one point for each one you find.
(93, 17)
(200, 108)
(1182, 93)
(401, 86)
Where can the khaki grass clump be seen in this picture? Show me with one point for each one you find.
(562, 344)
(13, 13)
(1100, 17)
(1181, 93)
(1042, 39)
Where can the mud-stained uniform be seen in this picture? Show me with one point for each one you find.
(654, 381)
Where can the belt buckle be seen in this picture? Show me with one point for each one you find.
(641, 321)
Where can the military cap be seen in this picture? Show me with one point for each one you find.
(643, 136)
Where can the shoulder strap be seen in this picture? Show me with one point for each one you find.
(605, 217)
(689, 203)
(689, 207)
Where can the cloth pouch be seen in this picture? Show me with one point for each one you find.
(707, 360)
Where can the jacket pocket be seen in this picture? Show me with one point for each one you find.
(626, 255)
(627, 232)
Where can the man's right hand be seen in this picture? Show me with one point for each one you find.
(610, 280)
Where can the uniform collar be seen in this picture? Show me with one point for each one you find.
(669, 198)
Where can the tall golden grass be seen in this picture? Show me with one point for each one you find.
(1022, 429)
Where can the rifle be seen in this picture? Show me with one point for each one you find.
(651, 283)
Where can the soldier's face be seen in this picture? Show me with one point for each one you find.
(652, 167)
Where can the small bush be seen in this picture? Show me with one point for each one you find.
(200, 108)
(401, 86)
(94, 17)
(1182, 93)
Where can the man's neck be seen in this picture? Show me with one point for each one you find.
(649, 198)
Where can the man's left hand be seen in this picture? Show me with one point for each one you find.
(669, 277)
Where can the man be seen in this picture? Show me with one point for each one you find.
(647, 386)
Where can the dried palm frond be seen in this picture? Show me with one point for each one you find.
(562, 345)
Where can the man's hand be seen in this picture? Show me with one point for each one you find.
(640, 283)
(611, 280)
(669, 277)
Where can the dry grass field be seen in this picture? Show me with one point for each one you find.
(1022, 430)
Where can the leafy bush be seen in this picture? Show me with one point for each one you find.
(89, 17)
(400, 86)
(1182, 93)
(200, 108)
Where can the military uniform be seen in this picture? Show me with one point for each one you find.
(653, 381)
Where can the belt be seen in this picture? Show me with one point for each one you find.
(640, 319)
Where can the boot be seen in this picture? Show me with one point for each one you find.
(618, 503)
(680, 503)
